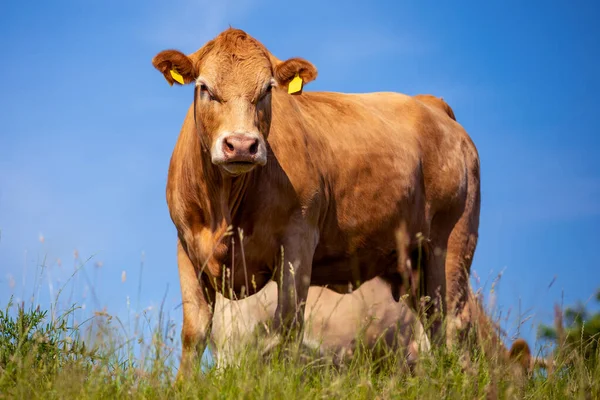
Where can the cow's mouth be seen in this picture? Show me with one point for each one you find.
(240, 163)
(238, 167)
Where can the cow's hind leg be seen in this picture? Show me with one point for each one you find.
(467, 318)
(460, 250)
(467, 322)
(197, 297)
(453, 242)
(459, 297)
(454, 236)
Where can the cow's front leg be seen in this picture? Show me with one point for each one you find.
(293, 279)
(197, 297)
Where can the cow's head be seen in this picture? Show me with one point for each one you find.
(234, 76)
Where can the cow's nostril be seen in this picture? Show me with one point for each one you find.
(230, 146)
(254, 147)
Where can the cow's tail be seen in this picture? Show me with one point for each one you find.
(437, 102)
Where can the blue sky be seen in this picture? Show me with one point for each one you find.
(87, 127)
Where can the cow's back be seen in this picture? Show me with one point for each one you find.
(371, 146)
(364, 163)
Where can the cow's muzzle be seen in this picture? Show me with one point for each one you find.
(239, 152)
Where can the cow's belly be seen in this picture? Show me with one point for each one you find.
(353, 257)
(345, 273)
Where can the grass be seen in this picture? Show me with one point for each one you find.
(47, 357)
(48, 354)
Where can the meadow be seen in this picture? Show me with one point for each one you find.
(65, 352)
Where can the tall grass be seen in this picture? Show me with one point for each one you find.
(48, 354)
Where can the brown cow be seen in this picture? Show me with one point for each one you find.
(333, 322)
(319, 183)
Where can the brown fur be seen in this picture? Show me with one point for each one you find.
(436, 102)
(343, 173)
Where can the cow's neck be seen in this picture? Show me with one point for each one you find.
(225, 197)
(232, 193)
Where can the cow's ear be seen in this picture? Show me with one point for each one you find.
(293, 69)
(175, 66)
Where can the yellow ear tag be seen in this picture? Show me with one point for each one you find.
(295, 85)
(177, 77)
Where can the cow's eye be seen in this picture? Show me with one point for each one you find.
(204, 91)
(266, 92)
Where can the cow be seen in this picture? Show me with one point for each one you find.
(271, 182)
(334, 323)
